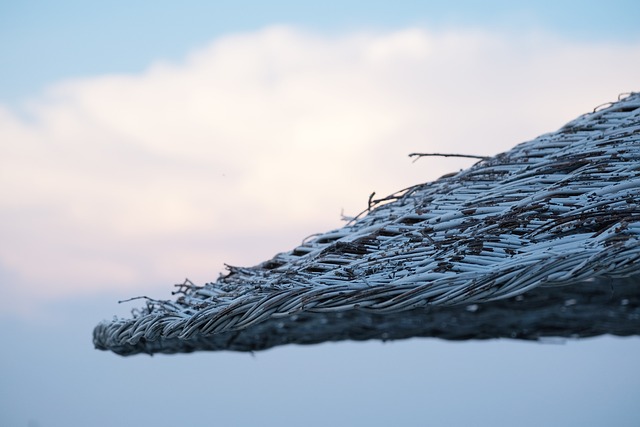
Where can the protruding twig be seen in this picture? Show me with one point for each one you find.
(470, 156)
(371, 202)
(135, 298)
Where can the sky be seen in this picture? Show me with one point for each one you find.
(142, 143)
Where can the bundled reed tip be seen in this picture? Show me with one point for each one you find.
(540, 241)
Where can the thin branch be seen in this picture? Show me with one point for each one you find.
(371, 202)
(135, 298)
(470, 156)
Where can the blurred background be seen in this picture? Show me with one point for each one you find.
(145, 142)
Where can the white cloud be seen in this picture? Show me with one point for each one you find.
(260, 138)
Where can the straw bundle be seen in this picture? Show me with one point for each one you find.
(540, 241)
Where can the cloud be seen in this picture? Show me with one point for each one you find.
(251, 143)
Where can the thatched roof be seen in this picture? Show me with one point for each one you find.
(540, 241)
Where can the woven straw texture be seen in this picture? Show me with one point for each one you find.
(540, 241)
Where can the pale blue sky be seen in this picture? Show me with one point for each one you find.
(45, 41)
(125, 185)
